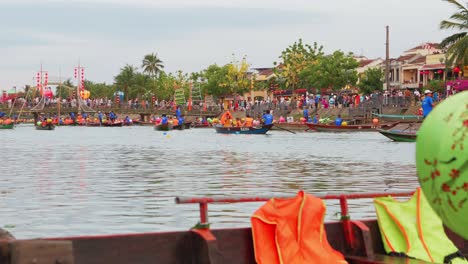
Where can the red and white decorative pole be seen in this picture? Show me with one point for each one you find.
(79, 76)
(42, 79)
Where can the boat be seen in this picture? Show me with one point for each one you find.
(294, 126)
(143, 123)
(187, 125)
(401, 118)
(360, 241)
(113, 124)
(243, 130)
(162, 127)
(201, 125)
(399, 136)
(178, 127)
(46, 127)
(7, 126)
(405, 132)
(348, 128)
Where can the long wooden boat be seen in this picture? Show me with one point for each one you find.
(200, 125)
(143, 123)
(399, 136)
(178, 127)
(7, 126)
(296, 126)
(243, 130)
(359, 241)
(348, 128)
(114, 124)
(402, 118)
(161, 127)
(46, 127)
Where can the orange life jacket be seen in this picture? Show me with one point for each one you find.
(225, 117)
(292, 231)
(248, 122)
(175, 122)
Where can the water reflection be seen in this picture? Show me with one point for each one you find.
(77, 181)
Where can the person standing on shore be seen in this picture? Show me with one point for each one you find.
(427, 103)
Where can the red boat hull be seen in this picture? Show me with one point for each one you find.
(349, 128)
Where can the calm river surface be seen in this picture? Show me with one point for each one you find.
(82, 180)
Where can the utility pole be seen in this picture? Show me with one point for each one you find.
(387, 60)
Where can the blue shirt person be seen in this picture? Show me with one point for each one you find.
(316, 119)
(268, 118)
(305, 113)
(177, 112)
(72, 116)
(163, 120)
(181, 120)
(100, 117)
(338, 120)
(427, 103)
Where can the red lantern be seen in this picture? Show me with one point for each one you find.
(456, 70)
(440, 71)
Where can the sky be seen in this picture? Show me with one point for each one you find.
(189, 35)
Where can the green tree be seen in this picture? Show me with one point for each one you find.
(293, 62)
(99, 90)
(216, 80)
(152, 65)
(457, 43)
(333, 71)
(66, 89)
(238, 78)
(371, 81)
(125, 79)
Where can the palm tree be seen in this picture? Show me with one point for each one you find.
(126, 79)
(457, 43)
(152, 65)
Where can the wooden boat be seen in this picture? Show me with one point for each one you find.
(399, 136)
(404, 132)
(46, 127)
(200, 125)
(243, 130)
(187, 125)
(359, 241)
(348, 128)
(7, 126)
(296, 126)
(165, 127)
(143, 123)
(178, 127)
(114, 124)
(401, 118)
(93, 124)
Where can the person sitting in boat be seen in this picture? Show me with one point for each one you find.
(72, 116)
(164, 120)
(204, 121)
(267, 118)
(316, 119)
(248, 121)
(127, 120)
(7, 121)
(60, 122)
(181, 120)
(338, 121)
(175, 121)
(282, 120)
(112, 116)
(226, 119)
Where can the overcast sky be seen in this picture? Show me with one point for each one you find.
(189, 35)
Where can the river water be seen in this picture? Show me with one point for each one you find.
(83, 180)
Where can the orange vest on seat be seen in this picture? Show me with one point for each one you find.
(291, 231)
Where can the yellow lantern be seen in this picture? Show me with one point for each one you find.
(85, 94)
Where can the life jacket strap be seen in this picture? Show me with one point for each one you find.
(448, 259)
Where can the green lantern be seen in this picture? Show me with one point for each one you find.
(442, 161)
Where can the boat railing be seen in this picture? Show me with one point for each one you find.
(343, 199)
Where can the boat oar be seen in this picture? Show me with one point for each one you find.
(285, 129)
